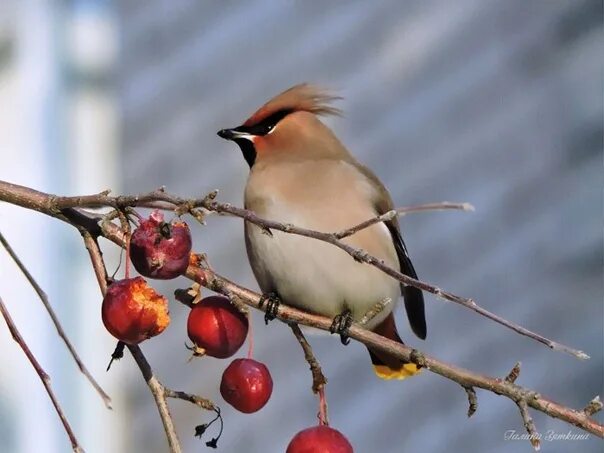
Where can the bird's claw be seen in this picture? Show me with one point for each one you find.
(272, 301)
(341, 324)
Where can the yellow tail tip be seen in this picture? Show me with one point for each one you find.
(405, 371)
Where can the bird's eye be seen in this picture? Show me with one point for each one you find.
(268, 128)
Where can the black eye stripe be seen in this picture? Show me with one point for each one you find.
(266, 125)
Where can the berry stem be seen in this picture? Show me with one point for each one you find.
(136, 214)
(127, 271)
(323, 420)
(250, 336)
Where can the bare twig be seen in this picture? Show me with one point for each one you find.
(463, 377)
(159, 395)
(318, 379)
(472, 400)
(55, 320)
(46, 204)
(52, 205)
(155, 386)
(513, 374)
(529, 424)
(204, 403)
(593, 407)
(42, 374)
(375, 310)
(96, 259)
(445, 205)
(362, 256)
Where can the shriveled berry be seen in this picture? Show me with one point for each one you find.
(159, 249)
(132, 311)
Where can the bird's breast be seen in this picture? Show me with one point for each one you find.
(310, 274)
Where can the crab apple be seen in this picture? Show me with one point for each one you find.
(246, 385)
(319, 439)
(217, 326)
(159, 249)
(132, 311)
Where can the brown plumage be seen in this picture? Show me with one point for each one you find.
(300, 173)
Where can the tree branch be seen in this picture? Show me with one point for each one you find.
(55, 320)
(42, 374)
(461, 376)
(472, 400)
(204, 403)
(529, 424)
(445, 205)
(318, 378)
(319, 381)
(61, 208)
(207, 202)
(362, 256)
(158, 390)
(159, 395)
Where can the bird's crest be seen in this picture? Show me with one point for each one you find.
(302, 97)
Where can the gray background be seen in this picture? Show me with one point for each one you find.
(498, 103)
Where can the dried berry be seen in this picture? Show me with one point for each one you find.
(159, 249)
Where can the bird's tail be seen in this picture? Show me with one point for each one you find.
(385, 365)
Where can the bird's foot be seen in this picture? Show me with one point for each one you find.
(272, 301)
(340, 325)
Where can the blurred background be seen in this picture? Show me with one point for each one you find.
(496, 103)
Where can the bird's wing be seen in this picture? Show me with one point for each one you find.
(414, 299)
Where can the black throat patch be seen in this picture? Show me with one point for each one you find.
(248, 150)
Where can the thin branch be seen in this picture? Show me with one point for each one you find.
(529, 424)
(96, 259)
(155, 386)
(159, 395)
(318, 378)
(44, 203)
(472, 400)
(375, 310)
(463, 377)
(52, 205)
(513, 374)
(445, 205)
(362, 256)
(197, 400)
(319, 381)
(42, 374)
(55, 320)
(593, 407)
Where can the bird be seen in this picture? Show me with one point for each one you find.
(301, 174)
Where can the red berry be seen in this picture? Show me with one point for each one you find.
(319, 439)
(132, 311)
(246, 385)
(217, 326)
(159, 249)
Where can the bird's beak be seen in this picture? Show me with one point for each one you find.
(234, 134)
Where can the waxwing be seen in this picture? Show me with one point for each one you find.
(300, 173)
